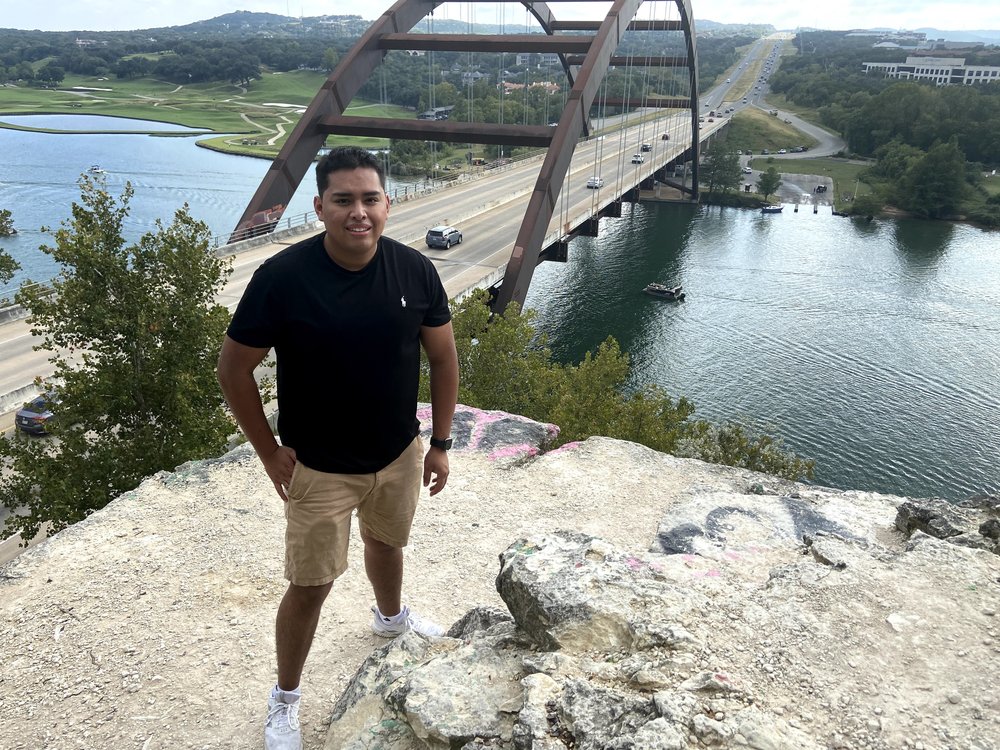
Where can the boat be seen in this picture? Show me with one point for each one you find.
(97, 169)
(662, 291)
(771, 209)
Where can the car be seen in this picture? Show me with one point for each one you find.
(443, 236)
(739, 152)
(35, 416)
(595, 182)
(638, 158)
(646, 147)
(711, 119)
(765, 151)
(748, 152)
(747, 170)
(782, 151)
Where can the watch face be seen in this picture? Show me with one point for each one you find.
(442, 444)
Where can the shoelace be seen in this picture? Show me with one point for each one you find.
(288, 711)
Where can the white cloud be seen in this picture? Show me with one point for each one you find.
(98, 15)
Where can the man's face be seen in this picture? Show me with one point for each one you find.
(354, 209)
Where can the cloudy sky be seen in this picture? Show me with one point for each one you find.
(100, 15)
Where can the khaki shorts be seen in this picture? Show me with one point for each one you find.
(319, 508)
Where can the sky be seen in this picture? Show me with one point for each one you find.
(108, 15)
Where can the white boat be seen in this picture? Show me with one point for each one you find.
(670, 293)
(97, 169)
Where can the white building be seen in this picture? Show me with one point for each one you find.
(944, 71)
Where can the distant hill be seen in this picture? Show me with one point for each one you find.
(984, 36)
(252, 22)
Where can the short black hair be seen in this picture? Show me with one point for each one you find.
(346, 157)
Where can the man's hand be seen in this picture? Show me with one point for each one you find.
(436, 466)
(279, 466)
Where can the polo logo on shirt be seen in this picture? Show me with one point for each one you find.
(402, 301)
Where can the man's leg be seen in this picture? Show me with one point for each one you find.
(295, 626)
(384, 566)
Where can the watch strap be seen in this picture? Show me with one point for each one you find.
(444, 444)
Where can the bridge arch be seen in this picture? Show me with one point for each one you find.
(585, 49)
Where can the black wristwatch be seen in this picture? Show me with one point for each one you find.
(444, 445)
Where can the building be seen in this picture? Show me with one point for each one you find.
(943, 71)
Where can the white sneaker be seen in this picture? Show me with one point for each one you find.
(281, 730)
(391, 627)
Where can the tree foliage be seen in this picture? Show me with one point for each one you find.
(506, 366)
(769, 182)
(6, 223)
(133, 334)
(7, 267)
(721, 170)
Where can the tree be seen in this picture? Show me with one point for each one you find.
(7, 264)
(769, 182)
(7, 267)
(330, 59)
(133, 333)
(506, 366)
(6, 223)
(51, 73)
(935, 184)
(722, 169)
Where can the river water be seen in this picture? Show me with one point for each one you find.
(873, 348)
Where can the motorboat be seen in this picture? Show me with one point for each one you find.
(662, 291)
(97, 169)
(771, 209)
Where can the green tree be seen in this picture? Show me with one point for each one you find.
(51, 73)
(722, 169)
(867, 205)
(133, 333)
(769, 182)
(7, 267)
(330, 59)
(6, 223)
(506, 366)
(935, 184)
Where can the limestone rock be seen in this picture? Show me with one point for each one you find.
(549, 584)
(684, 609)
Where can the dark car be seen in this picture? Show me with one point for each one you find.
(34, 417)
(443, 236)
(646, 147)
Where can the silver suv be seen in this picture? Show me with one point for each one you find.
(443, 236)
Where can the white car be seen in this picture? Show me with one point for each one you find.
(747, 170)
(638, 158)
(595, 182)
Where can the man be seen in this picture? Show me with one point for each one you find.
(346, 313)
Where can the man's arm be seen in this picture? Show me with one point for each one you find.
(236, 366)
(439, 343)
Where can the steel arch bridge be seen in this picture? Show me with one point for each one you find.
(586, 51)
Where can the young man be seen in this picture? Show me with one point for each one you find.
(346, 313)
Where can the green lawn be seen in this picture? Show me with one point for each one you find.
(845, 174)
(755, 130)
(245, 114)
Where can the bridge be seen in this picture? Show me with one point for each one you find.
(639, 144)
(515, 215)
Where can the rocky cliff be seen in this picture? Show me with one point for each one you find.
(599, 596)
